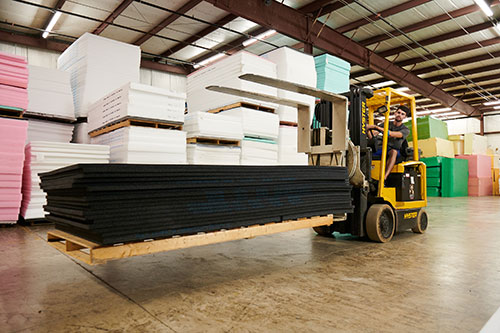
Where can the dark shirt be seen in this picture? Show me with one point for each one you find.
(395, 143)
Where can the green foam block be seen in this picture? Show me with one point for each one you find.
(432, 161)
(455, 177)
(433, 182)
(433, 172)
(429, 127)
(433, 192)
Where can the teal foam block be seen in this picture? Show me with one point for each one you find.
(433, 191)
(332, 73)
(455, 177)
(434, 172)
(433, 182)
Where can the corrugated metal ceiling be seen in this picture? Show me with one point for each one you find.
(30, 16)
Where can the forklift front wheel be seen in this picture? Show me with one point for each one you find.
(324, 230)
(421, 222)
(380, 223)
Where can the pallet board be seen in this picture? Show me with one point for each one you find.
(92, 253)
(242, 104)
(51, 117)
(214, 141)
(288, 123)
(136, 122)
(11, 112)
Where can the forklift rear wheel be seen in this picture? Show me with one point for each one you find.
(324, 230)
(380, 223)
(421, 222)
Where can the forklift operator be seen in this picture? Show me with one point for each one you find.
(396, 136)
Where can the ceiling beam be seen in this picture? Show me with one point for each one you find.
(114, 14)
(439, 38)
(199, 35)
(294, 24)
(455, 90)
(475, 80)
(323, 7)
(171, 18)
(424, 24)
(471, 71)
(59, 46)
(385, 13)
(428, 41)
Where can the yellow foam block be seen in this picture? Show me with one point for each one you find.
(475, 144)
(495, 175)
(455, 137)
(435, 147)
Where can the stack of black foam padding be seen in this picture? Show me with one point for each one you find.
(115, 203)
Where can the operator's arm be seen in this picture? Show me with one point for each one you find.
(403, 134)
(373, 130)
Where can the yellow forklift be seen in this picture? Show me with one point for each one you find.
(398, 203)
(337, 136)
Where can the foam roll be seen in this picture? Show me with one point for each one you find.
(115, 203)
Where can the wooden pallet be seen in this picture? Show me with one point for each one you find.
(11, 112)
(214, 141)
(50, 117)
(136, 122)
(288, 123)
(242, 104)
(93, 254)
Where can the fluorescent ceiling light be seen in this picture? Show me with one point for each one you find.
(447, 114)
(51, 24)
(383, 84)
(484, 7)
(209, 60)
(262, 36)
(492, 103)
(440, 110)
(403, 89)
(496, 107)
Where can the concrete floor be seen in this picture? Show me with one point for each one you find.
(446, 280)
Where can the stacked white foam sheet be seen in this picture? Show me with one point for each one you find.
(213, 154)
(136, 100)
(225, 72)
(49, 92)
(297, 67)
(287, 147)
(81, 133)
(97, 66)
(145, 145)
(43, 130)
(258, 152)
(43, 156)
(256, 123)
(218, 126)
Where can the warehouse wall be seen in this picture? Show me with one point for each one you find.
(48, 59)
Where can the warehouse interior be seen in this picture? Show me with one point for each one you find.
(204, 165)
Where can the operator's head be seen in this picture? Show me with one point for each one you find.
(401, 113)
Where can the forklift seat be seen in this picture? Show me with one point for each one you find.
(405, 153)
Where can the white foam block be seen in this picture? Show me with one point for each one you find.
(287, 147)
(296, 67)
(43, 130)
(255, 152)
(138, 101)
(225, 72)
(475, 144)
(97, 66)
(49, 92)
(256, 123)
(213, 154)
(208, 125)
(145, 145)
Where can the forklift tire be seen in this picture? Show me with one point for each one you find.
(324, 230)
(422, 222)
(380, 223)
